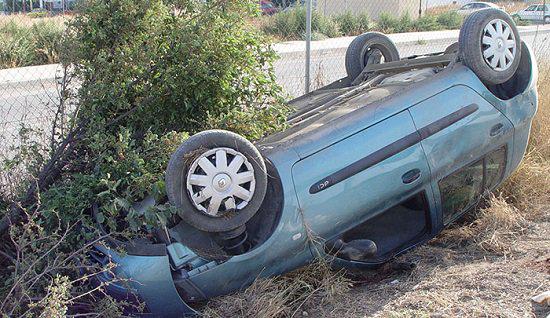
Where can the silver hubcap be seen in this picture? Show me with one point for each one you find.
(499, 45)
(220, 180)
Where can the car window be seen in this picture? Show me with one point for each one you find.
(540, 8)
(466, 7)
(481, 6)
(531, 8)
(460, 190)
(495, 163)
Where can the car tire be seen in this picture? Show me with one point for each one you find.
(366, 49)
(547, 20)
(490, 46)
(452, 49)
(187, 182)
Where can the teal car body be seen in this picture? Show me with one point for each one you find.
(338, 168)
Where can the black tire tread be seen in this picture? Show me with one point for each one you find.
(354, 53)
(470, 51)
(176, 175)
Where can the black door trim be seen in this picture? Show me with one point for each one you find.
(392, 149)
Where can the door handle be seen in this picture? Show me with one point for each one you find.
(496, 129)
(411, 176)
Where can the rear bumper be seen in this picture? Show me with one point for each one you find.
(146, 278)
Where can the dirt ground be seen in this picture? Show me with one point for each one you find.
(452, 280)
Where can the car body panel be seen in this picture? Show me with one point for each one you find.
(150, 278)
(336, 139)
(464, 141)
(338, 207)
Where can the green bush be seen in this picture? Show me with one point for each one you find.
(427, 23)
(351, 24)
(168, 73)
(291, 24)
(150, 73)
(387, 23)
(450, 20)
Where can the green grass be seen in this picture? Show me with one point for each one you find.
(290, 25)
(25, 44)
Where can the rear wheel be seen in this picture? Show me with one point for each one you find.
(489, 45)
(369, 48)
(546, 20)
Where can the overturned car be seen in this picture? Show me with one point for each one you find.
(372, 165)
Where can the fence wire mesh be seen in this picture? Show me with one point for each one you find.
(31, 31)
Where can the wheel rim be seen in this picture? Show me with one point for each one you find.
(373, 56)
(220, 180)
(499, 45)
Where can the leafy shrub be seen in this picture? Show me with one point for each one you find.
(427, 23)
(150, 73)
(450, 20)
(390, 24)
(351, 24)
(291, 24)
(160, 74)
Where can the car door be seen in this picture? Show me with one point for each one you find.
(361, 176)
(458, 128)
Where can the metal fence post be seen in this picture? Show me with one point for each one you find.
(308, 45)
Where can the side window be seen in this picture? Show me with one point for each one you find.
(495, 164)
(531, 8)
(460, 190)
(466, 7)
(540, 8)
(464, 187)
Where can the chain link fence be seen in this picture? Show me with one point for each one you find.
(310, 36)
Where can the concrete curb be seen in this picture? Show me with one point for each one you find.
(11, 76)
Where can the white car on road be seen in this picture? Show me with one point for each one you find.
(535, 12)
(475, 6)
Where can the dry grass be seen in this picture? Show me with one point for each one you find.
(291, 295)
(487, 266)
(26, 21)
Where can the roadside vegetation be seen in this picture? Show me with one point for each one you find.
(150, 74)
(291, 24)
(25, 41)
